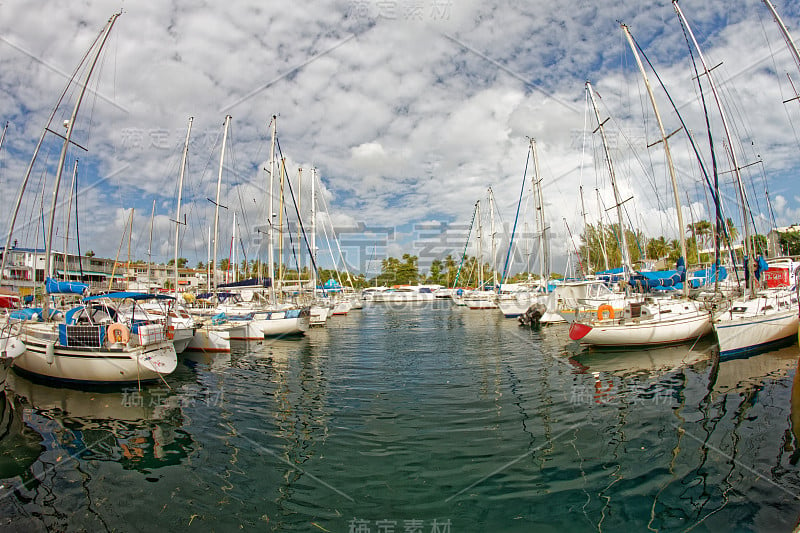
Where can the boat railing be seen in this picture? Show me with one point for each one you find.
(9, 327)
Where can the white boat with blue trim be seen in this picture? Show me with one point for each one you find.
(95, 343)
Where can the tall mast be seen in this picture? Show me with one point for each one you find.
(784, 31)
(299, 232)
(480, 248)
(282, 172)
(128, 264)
(150, 244)
(749, 247)
(3, 135)
(540, 220)
(586, 234)
(494, 247)
(601, 230)
(314, 231)
(232, 266)
(68, 216)
(216, 202)
(271, 214)
(102, 36)
(667, 153)
(626, 261)
(178, 208)
(48, 263)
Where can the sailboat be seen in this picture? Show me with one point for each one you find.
(758, 319)
(214, 331)
(480, 298)
(264, 316)
(653, 320)
(91, 342)
(536, 300)
(182, 323)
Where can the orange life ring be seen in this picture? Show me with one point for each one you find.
(118, 333)
(170, 332)
(602, 310)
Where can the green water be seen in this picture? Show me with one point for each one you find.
(426, 418)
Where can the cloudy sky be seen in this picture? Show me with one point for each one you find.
(408, 109)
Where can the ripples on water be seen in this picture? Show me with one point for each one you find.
(414, 419)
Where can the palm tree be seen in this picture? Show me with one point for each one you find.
(733, 233)
(658, 248)
(703, 231)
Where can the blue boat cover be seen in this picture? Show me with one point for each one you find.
(65, 287)
(29, 313)
(661, 279)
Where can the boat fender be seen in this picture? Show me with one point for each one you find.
(171, 332)
(118, 333)
(50, 353)
(603, 309)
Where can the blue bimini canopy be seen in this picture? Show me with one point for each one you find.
(65, 287)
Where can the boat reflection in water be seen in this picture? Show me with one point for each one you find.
(717, 418)
(84, 437)
(794, 418)
(646, 362)
(140, 428)
(20, 446)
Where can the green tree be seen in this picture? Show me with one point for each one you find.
(658, 248)
(182, 262)
(733, 233)
(789, 243)
(450, 268)
(408, 271)
(435, 272)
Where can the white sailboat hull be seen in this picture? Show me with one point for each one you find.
(342, 308)
(319, 315)
(656, 321)
(277, 327)
(181, 339)
(684, 329)
(749, 325)
(210, 339)
(480, 303)
(392, 297)
(96, 365)
(514, 307)
(754, 333)
(246, 330)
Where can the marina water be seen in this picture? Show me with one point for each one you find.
(419, 418)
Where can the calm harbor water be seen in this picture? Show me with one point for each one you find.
(414, 419)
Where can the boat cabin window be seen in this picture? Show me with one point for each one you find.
(96, 314)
